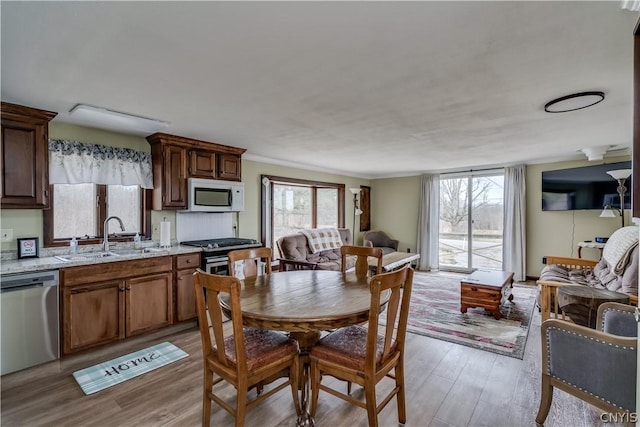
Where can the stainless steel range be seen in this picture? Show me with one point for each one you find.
(214, 257)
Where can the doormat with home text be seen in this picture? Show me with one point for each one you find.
(112, 372)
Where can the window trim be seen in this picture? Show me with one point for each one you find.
(145, 217)
(267, 182)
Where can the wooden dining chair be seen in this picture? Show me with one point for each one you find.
(362, 254)
(246, 359)
(367, 355)
(257, 261)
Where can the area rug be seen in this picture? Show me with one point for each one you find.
(112, 372)
(435, 312)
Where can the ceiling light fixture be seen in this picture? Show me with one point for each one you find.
(595, 153)
(575, 101)
(115, 120)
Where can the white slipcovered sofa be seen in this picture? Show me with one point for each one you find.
(616, 271)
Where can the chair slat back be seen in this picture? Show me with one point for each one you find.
(252, 258)
(208, 288)
(399, 283)
(362, 261)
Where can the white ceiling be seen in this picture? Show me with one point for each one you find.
(370, 89)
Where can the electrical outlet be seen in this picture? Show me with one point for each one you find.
(6, 234)
(156, 229)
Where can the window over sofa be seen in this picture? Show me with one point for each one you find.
(290, 205)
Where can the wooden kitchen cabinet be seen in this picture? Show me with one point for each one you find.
(148, 303)
(92, 315)
(169, 177)
(185, 266)
(24, 157)
(229, 167)
(203, 164)
(106, 302)
(176, 159)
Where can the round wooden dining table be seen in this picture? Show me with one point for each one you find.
(304, 303)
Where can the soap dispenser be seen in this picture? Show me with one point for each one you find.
(136, 241)
(73, 245)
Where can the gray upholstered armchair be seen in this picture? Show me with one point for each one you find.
(597, 366)
(380, 239)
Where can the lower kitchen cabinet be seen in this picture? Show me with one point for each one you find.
(102, 303)
(148, 303)
(185, 266)
(92, 315)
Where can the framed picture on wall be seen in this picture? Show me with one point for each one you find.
(365, 207)
(28, 248)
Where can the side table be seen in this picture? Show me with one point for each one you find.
(589, 244)
(581, 302)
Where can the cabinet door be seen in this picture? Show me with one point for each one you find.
(174, 194)
(203, 164)
(229, 167)
(92, 315)
(185, 296)
(148, 303)
(25, 165)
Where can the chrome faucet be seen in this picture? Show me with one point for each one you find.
(105, 242)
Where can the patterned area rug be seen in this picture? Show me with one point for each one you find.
(435, 312)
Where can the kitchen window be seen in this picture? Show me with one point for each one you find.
(90, 183)
(79, 210)
(291, 205)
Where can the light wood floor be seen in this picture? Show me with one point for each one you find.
(447, 385)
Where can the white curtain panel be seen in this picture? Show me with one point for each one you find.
(73, 162)
(428, 225)
(514, 239)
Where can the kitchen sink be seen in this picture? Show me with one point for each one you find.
(103, 254)
(124, 252)
(85, 256)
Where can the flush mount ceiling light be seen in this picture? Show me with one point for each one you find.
(115, 120)
(575, 101)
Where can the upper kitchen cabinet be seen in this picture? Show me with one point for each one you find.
(175, 159)
(229, 167)
(203, 164)
(24, 157)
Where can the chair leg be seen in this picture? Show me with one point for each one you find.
(241, 405)
(371, 402)
(206, 400)
(399, 372)
(545, 400)
(315, 386)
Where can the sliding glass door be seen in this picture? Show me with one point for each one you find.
(471, 218)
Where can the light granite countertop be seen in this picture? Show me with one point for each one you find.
(10, 266)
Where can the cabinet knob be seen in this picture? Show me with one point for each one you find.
(188, 261)
(121, 289)
(128, 288)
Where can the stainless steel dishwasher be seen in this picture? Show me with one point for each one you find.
(29, 320)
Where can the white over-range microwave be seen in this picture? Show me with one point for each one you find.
(210, 195)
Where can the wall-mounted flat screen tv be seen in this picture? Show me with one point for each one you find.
(588, 187)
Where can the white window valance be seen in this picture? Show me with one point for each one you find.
(73, 162)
